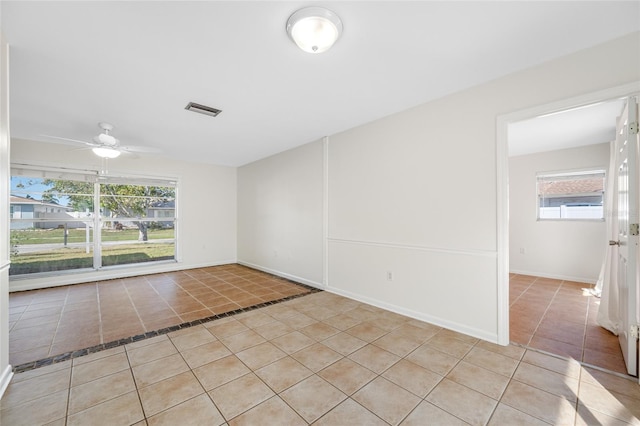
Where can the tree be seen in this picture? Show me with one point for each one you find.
(134, 201)
(78, 194)
(130, 202)
(50, 198)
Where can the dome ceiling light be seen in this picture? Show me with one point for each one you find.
(314, 29)
(105, 152)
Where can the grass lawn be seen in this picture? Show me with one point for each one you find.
(75, 258)
(51, 236)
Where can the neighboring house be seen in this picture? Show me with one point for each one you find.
(161, 213)
(574, 191)
(29, 208)
(162, 209)
(573, 198)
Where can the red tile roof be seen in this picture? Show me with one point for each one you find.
(577, 186)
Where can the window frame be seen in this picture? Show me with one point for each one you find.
(594, 172)
(98, 179)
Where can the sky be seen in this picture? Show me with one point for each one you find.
(23, 186)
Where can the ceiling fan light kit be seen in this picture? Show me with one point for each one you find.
(107, 142)
(106, 152)
(314, 29)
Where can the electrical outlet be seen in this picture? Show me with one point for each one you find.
(389, 276)
(521, 250)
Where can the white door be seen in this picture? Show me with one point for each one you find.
(628, 183)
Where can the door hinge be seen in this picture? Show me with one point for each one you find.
(634, 331)
(633, 128)
(634, 229)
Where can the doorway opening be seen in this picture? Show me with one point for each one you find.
(547, 267)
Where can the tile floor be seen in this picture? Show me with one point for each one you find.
(318, 359)
(559, 317)
(48, 322)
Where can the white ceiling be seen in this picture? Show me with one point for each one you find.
(137, 65)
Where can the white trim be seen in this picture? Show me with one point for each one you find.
(177, 225)
(325, 211)
(5, 379)
(48, 167)
(77, 278)
(480, 334)
(482, 253)
(283, 275)
(502, 232)
(556, 276)
(573, 173)
(612, 93)
(97, 226)
(502, 173)
(42, 167)
(5, 158)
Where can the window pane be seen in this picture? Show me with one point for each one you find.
(131, 232)
(51, 225)
(577, 195)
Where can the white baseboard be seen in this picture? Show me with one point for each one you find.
(283, 275)
(480, 334)
(555, 276)
(7, 374)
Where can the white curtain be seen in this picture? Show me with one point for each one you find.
(606, 287)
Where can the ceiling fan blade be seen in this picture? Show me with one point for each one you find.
(137, 148)
(68, 140)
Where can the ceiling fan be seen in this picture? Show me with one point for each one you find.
(104, 144)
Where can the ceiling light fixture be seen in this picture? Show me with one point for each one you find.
(314, 29)
(105, 152)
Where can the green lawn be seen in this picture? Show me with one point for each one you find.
(75, 258)
(51, 236)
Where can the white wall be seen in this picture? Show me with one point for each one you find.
(206, 205)
(570, 250)
(280, 220)
(401, 190)
(414, 194)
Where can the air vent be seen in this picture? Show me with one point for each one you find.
(203, 109)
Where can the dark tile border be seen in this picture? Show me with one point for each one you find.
(149, 334)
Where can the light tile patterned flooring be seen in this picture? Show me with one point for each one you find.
(53, 321)
(559, 317)
(318, 359)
